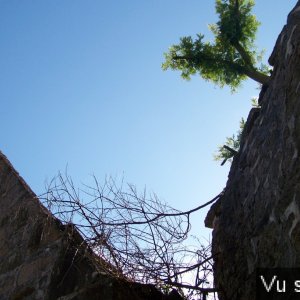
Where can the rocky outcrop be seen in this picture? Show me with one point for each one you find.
(257, 221)
(40, 258)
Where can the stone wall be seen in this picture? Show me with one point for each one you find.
(42, 259)
(257, 221)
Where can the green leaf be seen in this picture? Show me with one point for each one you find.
(230, 58)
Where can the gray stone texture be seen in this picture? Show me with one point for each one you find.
(257, 221)
(42, 259)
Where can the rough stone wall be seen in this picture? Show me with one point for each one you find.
(257, 221)
(42, 259)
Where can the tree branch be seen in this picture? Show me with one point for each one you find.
(232, 151)
(134, 236)
(197, 288)
(247, 70)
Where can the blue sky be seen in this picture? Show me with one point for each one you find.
(81, 85)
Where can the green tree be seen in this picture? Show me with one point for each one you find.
(231, 58)
(231, 146)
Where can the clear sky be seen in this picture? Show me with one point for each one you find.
(81, 85)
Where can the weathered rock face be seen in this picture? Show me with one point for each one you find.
(42, 259)
(257, 221)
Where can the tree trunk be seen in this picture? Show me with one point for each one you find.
(257, 76)
(250, 70)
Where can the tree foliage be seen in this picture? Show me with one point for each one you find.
(231, 58)
(231, 146)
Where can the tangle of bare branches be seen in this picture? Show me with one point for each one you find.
(142, 238)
